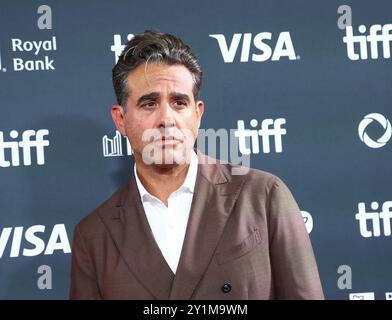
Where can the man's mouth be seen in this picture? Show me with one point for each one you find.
(168, 140)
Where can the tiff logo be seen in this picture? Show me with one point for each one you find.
(117, 47)
(113, 147)
(375, 230)
(269, 127)
(30, 139)
(378, 35)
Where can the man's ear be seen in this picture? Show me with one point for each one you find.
(199, 111)
(118, 115)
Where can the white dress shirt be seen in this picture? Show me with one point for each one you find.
(168, 224)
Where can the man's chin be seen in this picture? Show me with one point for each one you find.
(162, 167)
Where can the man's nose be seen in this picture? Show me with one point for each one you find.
(166, 116)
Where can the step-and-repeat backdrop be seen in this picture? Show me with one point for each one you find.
(306, 87)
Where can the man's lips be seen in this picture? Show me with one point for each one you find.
(168, 140)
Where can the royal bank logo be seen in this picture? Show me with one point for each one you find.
(38, 49)
(113, 147)
(248, 139)
(258, 48)
(32, 55)
(32, 140)
(375, 222)
(381, 120)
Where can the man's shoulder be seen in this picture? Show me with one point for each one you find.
(93, 221)
(250, 176)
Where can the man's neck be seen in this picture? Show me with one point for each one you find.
(161, 181)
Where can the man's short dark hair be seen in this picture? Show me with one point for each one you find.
(153, 46)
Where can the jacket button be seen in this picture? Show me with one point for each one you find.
(226, 288)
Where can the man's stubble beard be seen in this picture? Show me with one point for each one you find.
(170, 152)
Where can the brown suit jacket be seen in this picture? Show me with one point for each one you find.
(245, 239)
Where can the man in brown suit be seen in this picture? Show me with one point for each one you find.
(185, 227)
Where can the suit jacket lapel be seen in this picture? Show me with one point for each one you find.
(213, 200)
(132, 234)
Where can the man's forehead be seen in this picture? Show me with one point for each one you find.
(146, 76)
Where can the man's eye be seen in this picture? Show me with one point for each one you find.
(148, 105)
(180, 103)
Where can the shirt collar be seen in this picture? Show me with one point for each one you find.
(188, 185)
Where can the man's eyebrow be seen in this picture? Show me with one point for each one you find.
(148, 96)
(178, 95)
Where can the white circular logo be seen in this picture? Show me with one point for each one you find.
(380, 142)
(308, 221)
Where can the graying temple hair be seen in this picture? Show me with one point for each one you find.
(153, 46)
